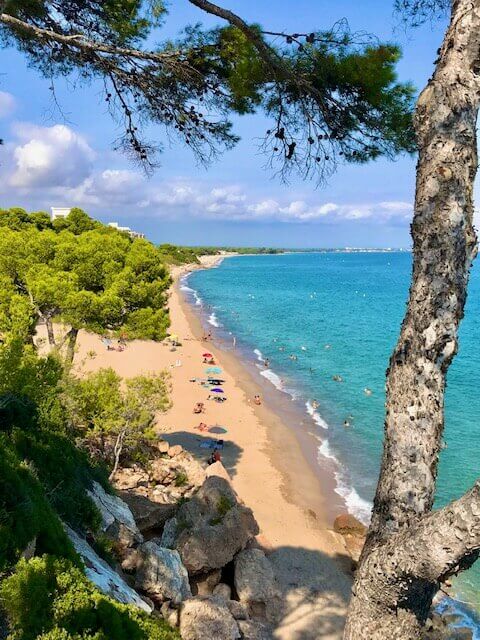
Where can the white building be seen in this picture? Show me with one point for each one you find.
(131, 233)
(59, 212)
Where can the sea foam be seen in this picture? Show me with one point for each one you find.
(213, 320)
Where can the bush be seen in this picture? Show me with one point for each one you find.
(51, 599)
(25, 512)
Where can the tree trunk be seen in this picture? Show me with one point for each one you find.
(117, 452)
(392, 596)
(72, 341)
(50, 333)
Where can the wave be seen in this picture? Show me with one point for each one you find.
(259, 355)
(273, 378)
(189, 290)
(317, 418)
(213, 320)
(355, 504)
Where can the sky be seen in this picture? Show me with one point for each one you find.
(65, 157)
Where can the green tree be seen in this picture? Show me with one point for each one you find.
(111, 417)
(87, 276)
(332, 96)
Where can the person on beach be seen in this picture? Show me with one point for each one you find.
(199, 407)
(266, 363)
(257, 400)
(215, 457)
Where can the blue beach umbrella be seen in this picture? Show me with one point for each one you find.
(217, 390)
(215, 370)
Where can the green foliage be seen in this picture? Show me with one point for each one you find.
(106, 413)
(181, 479)
(82, 273)
(25, 512)
(178, 255)
(48, 598)
(224, 505)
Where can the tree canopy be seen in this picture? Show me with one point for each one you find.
(331, 95)
(83, 274)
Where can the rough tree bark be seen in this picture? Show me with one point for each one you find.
(409, 548)
(72, 341)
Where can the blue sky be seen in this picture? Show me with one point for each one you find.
(54, 158)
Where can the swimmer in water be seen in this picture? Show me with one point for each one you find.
(367, 391)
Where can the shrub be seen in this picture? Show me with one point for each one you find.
(48, 598)
(25, 512)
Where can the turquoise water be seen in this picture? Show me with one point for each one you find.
(339, 315)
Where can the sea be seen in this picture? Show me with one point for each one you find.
(326, 323)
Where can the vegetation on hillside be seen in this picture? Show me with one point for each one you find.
(58, 433)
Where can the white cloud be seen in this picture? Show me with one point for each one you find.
(57, 165)
(50, 157)
(7, 104)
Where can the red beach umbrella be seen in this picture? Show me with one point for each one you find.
(207, 355)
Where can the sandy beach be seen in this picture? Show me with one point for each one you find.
(263, 456)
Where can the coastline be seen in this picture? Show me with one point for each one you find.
(263, 456)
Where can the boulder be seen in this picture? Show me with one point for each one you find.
(130, 478)
(175, 450)
(30, 549)
(169, 534)
(204, 584)
(254, 630)
(354, 546)
(238, 610)
(212, 527)
(161, 574)
(170, 614)
(103, 576)
(348, 524)
(203, 618)
(118, 522)
(163, 446)
(147, 514)
(217, 469)
(255, 583)
(194, 471)
(131, 560)
(223, 590)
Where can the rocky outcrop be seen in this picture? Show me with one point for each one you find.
(147, 514)
(103, 576)
(204, 584)
(354, 533)
(255, 583)
(346, 524)
(254, 630)
(217, 469)
(161, 574)
(212, 527)
(202, 618)
(117, 520)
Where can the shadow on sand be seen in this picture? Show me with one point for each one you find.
(192, 442)
(315, 590)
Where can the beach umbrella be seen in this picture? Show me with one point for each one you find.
(207, 355)
(217, 430)
(217, 390)
(215, 370)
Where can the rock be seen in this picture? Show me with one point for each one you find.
(348, 524)
(204, 584)
(205, 619)
(212, 527)
(223, 590)
(217, 469)
(103, 576)
(238, 610)
(194, 471)
(175, 450)
(172, 616)
(29, 550)
(148, 515)
(161, 574)
(131, 560)
(127, 479)
(159, 470)
(255, 583)
(117, 519)
(163, 446)
(254, 630)
(169, 534)
(354, 545)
